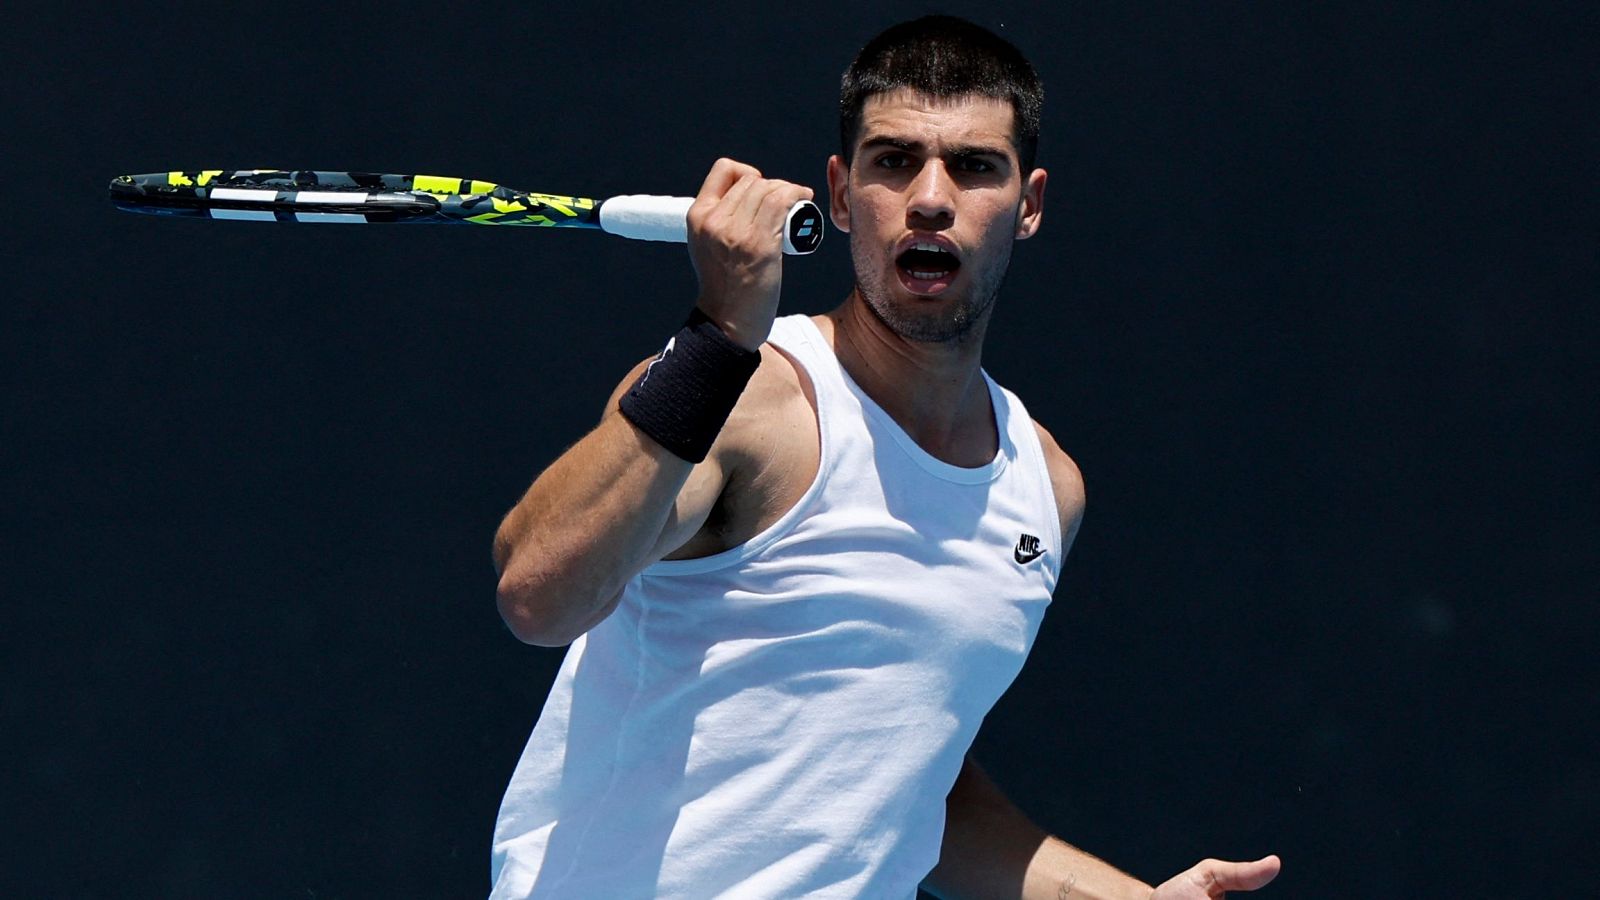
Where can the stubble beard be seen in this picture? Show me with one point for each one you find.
(935, 323)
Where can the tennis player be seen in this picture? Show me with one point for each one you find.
(800, 558)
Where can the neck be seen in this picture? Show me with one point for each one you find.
(934, 391)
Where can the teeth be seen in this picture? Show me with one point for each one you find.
(944, 271)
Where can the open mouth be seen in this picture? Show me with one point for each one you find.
(927, 264)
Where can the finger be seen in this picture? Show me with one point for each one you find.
(724, 174)
(710, 214)
(760, 209)
(772, 214)
(748, 211)
(1216, 875)
(731, 208)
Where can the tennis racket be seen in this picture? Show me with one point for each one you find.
(273, 195)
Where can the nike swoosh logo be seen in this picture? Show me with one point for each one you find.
(1028, 549)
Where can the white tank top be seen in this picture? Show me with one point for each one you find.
(785, 719)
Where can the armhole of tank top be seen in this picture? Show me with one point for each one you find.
(793, 344)
(1025, 431)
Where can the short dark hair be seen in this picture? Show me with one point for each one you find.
(944, 56)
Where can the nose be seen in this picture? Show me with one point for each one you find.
(932, 197)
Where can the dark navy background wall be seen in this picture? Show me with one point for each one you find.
(1312, 308)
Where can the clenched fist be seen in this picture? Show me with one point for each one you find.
(736, 244)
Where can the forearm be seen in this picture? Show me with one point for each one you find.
(992, 850)
(1059, 871)
(587, 525)
(626, 495)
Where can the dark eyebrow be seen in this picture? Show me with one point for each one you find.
(896, 143)
(958, 151)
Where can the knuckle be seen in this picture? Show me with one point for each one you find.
(728, 164)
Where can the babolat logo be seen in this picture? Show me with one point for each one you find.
(1028, 549)
(805, 227)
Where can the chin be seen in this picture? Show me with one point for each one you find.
(947, 317)
(951, 314)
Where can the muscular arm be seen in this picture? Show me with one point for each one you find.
(611, 505)
(617, 501)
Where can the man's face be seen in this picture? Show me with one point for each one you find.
(933, 200)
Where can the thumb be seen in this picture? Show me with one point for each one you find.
(1218, 875)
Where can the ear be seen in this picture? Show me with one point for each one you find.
(839, 193)
(1031, 210)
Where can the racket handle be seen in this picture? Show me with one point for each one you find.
(645, 217)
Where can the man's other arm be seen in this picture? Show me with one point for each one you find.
(992, 849)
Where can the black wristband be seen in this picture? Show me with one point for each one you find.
(683, 399)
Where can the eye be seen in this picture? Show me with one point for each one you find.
(892, 160)
(973, 164)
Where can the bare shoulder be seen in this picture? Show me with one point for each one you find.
(775, 411)
(776, 384)
(752, 467)
(762, 462)
(775, 405)
(1066, 481)
(771, 446)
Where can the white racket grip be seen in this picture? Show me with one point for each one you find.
(647, 217)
